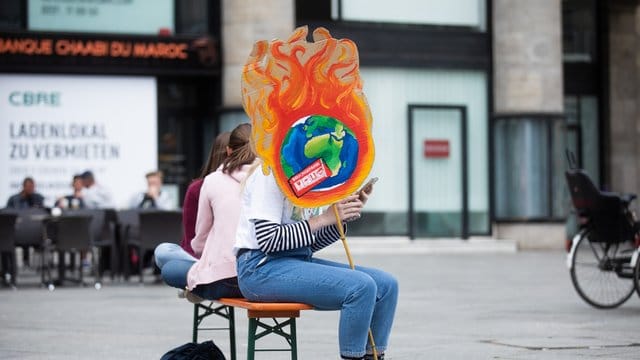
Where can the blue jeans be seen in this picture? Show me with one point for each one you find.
(366, 297)
(174, 264)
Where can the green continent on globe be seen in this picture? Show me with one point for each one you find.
(319, 137)
(326, 147)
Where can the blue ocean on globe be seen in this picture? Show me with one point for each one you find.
(320, 137)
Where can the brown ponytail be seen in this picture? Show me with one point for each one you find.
(241, 151)
(217, 154)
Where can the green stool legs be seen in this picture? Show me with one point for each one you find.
(223, 311)
(258, 328)
(277, 328)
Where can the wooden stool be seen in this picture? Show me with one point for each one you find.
(256, 311)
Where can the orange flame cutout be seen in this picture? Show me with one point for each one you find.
(285, 82)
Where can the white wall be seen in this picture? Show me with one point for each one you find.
(389, 92)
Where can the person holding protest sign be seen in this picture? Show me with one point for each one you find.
(275, 246)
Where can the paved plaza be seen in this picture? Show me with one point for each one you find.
(453, 305)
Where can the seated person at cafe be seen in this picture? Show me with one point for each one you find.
(74, 200)
(95, 196)
(27, 197)
(153, 197)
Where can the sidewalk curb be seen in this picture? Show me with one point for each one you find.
(405, 246)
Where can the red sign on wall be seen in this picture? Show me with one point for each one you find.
(436, 148)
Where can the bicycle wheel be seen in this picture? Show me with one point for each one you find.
(601, 272)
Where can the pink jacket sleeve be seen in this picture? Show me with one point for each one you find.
(204, 219)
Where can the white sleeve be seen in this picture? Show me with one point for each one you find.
(163, 201)
(265, 200)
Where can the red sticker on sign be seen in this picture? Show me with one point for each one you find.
(309, 177)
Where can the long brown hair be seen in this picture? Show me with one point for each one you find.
(241, 151)
(217, 154)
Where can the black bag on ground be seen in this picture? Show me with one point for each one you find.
(192, 351)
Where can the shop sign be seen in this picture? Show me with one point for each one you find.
(114, 54)
(55, 126)
(436, 148)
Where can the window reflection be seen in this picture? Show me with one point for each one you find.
(529, 167)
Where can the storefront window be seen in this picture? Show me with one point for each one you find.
(179, 131)
(579, 30)
(11, 15)
(466, 13)
(583, 140)
(228, 119)
(192, 16)
(99, 16)
(582, 122)
(143, 17)
(529, 168)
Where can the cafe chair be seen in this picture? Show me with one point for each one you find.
(69, 234)
(8, 248)
(30, 232)
(103, 238)
(128, 229)
(155, 227)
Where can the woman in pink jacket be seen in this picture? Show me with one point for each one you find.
(213, 275)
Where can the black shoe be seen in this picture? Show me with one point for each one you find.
(370, 357)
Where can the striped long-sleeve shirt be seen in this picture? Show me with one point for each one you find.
(273, 237)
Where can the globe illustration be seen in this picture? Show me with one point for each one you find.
(320, 137)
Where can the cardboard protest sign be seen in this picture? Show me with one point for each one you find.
(311, 121)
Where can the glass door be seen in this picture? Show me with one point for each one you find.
(438, 204)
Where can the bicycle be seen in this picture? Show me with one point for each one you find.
(604, 256)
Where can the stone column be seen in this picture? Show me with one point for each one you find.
(622, 159)
(243, 23)
(527, 52)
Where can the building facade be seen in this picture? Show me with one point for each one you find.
(474, 101)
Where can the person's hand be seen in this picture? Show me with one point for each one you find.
(153, 192)
(349, 208)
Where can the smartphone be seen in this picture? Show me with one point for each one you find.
(368, 185)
